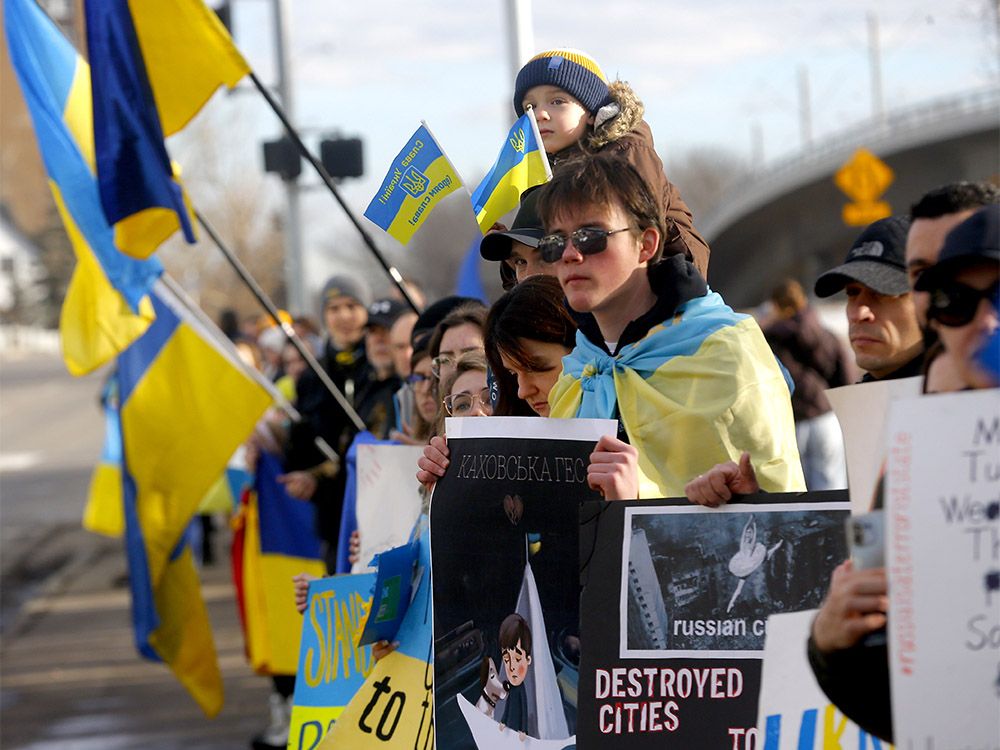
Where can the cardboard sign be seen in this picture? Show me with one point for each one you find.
(943, 507)
(388, 498)
(861, 410)
(504, 543)
(674, 612)
(793, 712)
(332, 666)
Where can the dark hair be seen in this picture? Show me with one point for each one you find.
(532, 310)
(473, 312)
(602, 179)
(514, 629)
(954, 197)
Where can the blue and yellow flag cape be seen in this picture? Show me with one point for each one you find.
(184, 407)
(106, 305)
(418, 178)
(698, 390)
(522, 164)
(153, 65)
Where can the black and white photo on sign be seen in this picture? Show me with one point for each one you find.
(702, 582)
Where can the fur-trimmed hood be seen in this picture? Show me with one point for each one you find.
(618, 118)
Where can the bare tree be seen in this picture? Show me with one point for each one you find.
(704, 175)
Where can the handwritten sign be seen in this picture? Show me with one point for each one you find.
(943, 505)
(332, 666)
(388, 498)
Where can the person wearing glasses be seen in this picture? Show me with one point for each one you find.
(460, 332)
(691, 382)
(465, 389)
(963, 306)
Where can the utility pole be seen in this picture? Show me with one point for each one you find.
(521, 38)
(805, 108)
(756, 146)
(875, 69)
(294, 277)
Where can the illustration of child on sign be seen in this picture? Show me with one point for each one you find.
(515, 649)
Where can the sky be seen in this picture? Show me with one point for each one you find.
(710, 73)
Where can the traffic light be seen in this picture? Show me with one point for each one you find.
(283, 157)
(342, 157)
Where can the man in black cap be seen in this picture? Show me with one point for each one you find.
(374, 397)
(517, 248)
(882, 321)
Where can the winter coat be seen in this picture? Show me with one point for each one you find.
(626, 133)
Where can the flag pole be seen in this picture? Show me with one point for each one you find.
(390, 269)
(286, 328)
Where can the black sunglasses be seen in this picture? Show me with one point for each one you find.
(955, 304)
(588, 240)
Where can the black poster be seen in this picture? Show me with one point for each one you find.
(674, 612)
(504, 555)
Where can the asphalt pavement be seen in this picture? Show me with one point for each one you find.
(70, 676)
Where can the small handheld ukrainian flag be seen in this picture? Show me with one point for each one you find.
(418, 178)
(522, 164)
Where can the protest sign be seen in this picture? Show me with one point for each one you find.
(388, 497)
(394, 708)
(862, 409)
(504, 543)
(674, 612)
(793, 712)
(332, 666)
(943, 508)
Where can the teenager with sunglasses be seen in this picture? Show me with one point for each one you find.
(691, 382)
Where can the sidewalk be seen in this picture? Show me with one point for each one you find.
(71, 677)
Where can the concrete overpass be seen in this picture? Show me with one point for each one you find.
(786, 219)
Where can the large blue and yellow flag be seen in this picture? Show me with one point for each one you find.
(522, 164)
(418, 178)
(185, 405)
(153, 66)
(106, 305)
(279, 541)
(105, 510)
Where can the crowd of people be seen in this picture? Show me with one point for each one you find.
(608, 313)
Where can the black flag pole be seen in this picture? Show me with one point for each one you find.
(286, 328)
(390, 269)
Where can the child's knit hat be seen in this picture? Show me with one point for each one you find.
(575, 72)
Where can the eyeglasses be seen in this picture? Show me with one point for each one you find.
(417, 377)
(955, 304)
(462, 404)
(447, 360)
(588, 240)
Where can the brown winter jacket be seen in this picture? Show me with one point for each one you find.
(628, 134)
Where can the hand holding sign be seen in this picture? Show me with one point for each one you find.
(854, 607)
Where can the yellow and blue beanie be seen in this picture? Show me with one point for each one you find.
(575, 72)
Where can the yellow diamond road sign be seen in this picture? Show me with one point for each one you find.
(863, 179)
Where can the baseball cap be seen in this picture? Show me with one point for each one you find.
(976, 240)
(877, 259)
(527, 229)
(383, 312)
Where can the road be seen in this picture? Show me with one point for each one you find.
(70, 677)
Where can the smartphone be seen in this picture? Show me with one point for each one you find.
(866, 539)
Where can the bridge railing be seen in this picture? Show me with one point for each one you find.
(925, 120)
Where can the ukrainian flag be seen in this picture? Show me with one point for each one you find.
(106, 307)
(418, 178)
(154, 65)
(185, 405)
(522, 164)
(278, 543)
(104, 513)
